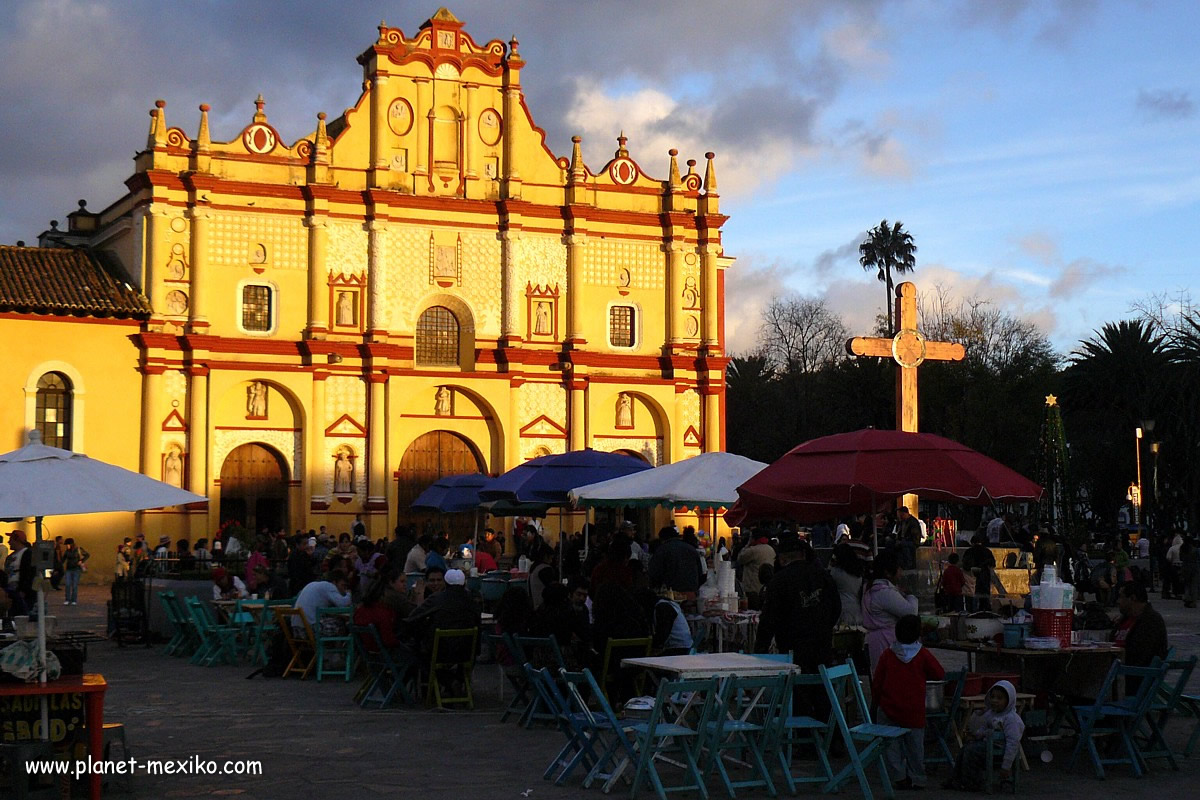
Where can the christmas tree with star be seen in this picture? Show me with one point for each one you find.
(1057, 506)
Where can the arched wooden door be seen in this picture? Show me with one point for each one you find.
(431, 456)
(254, 488)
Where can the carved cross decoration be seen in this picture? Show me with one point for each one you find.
(909, 349)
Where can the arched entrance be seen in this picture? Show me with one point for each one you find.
(428, 458)
(254, 488)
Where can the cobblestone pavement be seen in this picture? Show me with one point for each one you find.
(313, 741)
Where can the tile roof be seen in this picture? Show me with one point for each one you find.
(66, 280)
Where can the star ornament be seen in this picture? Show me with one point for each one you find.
(1051, 400)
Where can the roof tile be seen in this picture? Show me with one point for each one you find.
(65, 280)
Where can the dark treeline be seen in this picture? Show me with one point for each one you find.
(799, 384)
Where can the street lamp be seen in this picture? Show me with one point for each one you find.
(1137, 496)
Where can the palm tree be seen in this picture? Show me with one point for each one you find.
(888, 248)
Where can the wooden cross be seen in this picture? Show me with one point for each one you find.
(909, 349)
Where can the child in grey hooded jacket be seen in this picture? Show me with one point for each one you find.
(999, 715)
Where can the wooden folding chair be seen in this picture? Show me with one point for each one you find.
(1120, 718)
(797, 731)
(866, 741)
(294, 627)
(744, 719)
(942, 723)
(658, 737)
(614, 651)
(453, 655)
(387, 677)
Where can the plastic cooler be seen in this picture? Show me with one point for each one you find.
(1054, 622)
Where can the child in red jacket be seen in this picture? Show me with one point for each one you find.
(898, 690)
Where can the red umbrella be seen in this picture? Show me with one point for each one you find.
(851, 473)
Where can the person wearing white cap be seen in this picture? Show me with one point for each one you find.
(450, 609)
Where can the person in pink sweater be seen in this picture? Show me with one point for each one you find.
(883, 605)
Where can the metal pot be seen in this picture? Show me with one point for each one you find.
(935, 695)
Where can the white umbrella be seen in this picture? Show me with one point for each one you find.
(708, 481)
(39, 481)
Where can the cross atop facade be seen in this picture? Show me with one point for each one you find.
(909, 349)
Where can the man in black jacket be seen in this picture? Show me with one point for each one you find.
(676, 565)
(800, 610)
(1141, 630)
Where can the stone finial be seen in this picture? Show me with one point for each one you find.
(513, 47)
(259, 114)
(203, 138)
(710, 175)
(158, 125)
(382, 30)
(622, 151)
(691, 165)
(577, 173)
(322, 133)
(673, 178)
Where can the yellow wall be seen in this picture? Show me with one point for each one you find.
(434, 188)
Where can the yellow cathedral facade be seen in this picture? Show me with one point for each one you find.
(305, 332)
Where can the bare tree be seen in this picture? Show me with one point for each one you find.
(995, 340)
(801, 335)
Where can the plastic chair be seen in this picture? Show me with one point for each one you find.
(609, 734)
(796, 731)
(294, 627)
(614, 651)
(865, 742)
(334, 645)
(454, 653)
(1120, 719)
(745, 719)
(386, 676)
(942, 722)
(1165, 704)
(657, 737)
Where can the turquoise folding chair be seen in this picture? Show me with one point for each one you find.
(610, 736)
(1165, 704)
(180, 635)
(219, 640)
(539, 652)
(335, 645)
(193, 639)
(579, 748)
(745, 719)
(1120, 719)
(387, 677)
(942, 723)
(658, 737)
(794, 731)
(263, 628)
(866, 741)
(514, 673)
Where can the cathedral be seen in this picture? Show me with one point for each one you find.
(418, 286)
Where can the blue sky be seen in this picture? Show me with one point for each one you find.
(1043, 154)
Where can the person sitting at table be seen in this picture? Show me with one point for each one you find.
(751, 557)
(883, 605)
(669, 629)
(375, 611)
(436, 557)
(450, 609)
(433, 582)
(616, 615)
(395, 593)
(615, 567)
(268, 585)
(1000, 714)
(1140, 630)
(559, 619)
(227, 586)
(484, 561)
(334, 591)
(898, 689)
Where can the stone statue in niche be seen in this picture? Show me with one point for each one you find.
(175, 270)
(256, 400)
(441, 405)
(345, 308)
(173, 468)
(258, 254)
(624, 411)
(343, 473)
(541, 319)
(691, 298)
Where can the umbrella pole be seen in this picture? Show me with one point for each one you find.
(874, 526)
(41, 636)
(475, 539)
(561, 549)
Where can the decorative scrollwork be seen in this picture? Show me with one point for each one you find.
(176, 138)
(304, 149)
(496, 48)
(692, 183)
(391, 36)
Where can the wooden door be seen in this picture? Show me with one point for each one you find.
(254, 487)
(431, 456)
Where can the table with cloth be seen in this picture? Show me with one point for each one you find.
(729, 631)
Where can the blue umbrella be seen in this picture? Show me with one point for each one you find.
(548, 479)
(452, 494)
